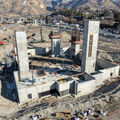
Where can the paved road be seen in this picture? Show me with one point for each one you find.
(103, 33)
(9, 25)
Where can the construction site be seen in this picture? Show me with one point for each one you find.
(50, 74)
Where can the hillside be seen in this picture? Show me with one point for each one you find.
(93, 4)
(37, 7)
(51, 4)
(21, 7)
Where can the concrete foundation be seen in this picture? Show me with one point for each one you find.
(94, 71)
(78, 86)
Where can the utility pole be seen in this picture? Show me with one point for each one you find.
(30, 9)
(41, 34)
(119, 3)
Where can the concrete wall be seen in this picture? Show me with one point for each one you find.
(110, 72)
(31, 51)
(0, 86)
(45, 87)
(80, 87)
(34, 91)
(63, 88)
(65, 50)
(88, 77)
(104, 64)
(23, 94)
(75, 49)
(42, 51)
(16, 76)
(97, 78)
(106, 74)
(46, 50)
(55, 46)
(85, 87)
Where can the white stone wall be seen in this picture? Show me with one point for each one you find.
(110, 72)
(75, 49)
(0, 86)
(65, 49)
(42, 51)
(86, 87)
(55, 46)
(31, 51)
(16, 76)
(62, 86)
(34, 90)
(45, 87)
(23, 94)
(99, 78)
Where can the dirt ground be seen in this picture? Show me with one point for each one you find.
(106, 45)
(105, 98)
(33, 37)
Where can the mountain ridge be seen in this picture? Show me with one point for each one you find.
(21, 7)
(37, 7)
(93, 4)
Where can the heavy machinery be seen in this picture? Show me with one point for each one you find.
(2, 43)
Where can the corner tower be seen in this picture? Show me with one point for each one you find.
(55, 37)
(22, 54)
(90, 44)
(75, 43)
